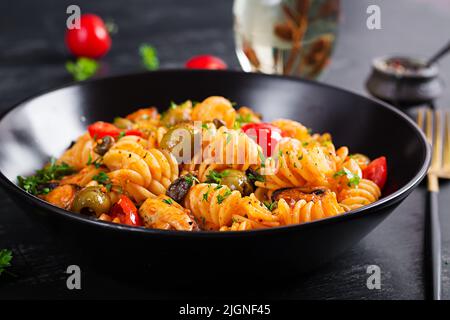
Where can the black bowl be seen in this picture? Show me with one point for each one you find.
(44, 125)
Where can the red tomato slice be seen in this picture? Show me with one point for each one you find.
(377, 171)
(133, 132)
(102, 129)
(206, 62)
(91, 40)
(126, 211)
(265, 134)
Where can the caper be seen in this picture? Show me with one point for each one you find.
(103, 145)
(179, 140)
(123, 123)
(91, 200)
(236, 180)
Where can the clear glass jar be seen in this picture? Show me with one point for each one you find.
(290, 37)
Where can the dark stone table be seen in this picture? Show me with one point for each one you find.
(32, 57)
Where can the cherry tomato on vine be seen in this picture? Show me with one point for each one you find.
(206, 62)
(91, 40)
(376, 171)
(126, 211)
(265, 134)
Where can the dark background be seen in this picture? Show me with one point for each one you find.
(32, 57)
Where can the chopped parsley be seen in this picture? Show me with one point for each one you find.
(89, 160)
(168, 201)
(215, 177)
(353, 179)
(34, 184)
(82, 69)
(101, 178)
(121, 135)
(149, 57)
(241, 120)
(221, 198)
(5, 259)
(190, 179)
(255, 176)
(270, 205)
(262, 158)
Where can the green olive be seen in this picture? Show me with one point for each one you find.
(91, 200)
(237, 180)
(177, 114)
(179, 140)
(123, 123)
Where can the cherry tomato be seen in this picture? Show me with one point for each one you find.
(206, 62)
(91, 40)
(265, 134)
(126, 211)
(102, 129)
(376, 171)
(133, 132)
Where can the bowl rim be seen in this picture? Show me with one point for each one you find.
(387, 201)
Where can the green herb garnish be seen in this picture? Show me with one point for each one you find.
(5, 259)
(255, 176)
(82, 68)
(101, 178)
(215, 177)
(353, 179)
(149, 57)
(190, 179)
(241, 120)
(221, 198)
(33, 184)
(270, 205)
(168, 201)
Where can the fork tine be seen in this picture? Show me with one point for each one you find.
(447, 142)
(436, 163)
(429, 126)
(420, 118)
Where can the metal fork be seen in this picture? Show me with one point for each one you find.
(440, 168)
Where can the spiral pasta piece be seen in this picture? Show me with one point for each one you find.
(355, 197)
(164, 213)
(212, 204)
(81, 153)
(293, 129)
(214, 108)
(297, 163)
(142, 173)
(232, 148)
(309, 209)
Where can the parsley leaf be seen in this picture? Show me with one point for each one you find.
(36, 184)
(255, 176)
(190, 179)
(5, 259)
(168, 201)
(82, 69)
(241, 120)
(215, 177)
(149, 57)
(353, 179)
(221, 198)
(270, 205)
(101, 178)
